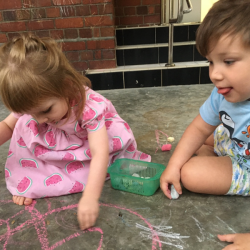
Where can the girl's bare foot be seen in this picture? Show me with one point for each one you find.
(19, 200)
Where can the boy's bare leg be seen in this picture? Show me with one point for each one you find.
(207, 149)
(19, 200)
(207, 174)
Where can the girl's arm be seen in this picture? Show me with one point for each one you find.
(88, 207)
(99, 148)
(239, 241)
(6, 128)
(193, 138)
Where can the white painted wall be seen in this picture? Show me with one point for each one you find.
(195, 15)
(200, 9)
(205, 6)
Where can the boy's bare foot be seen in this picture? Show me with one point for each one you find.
(19, 200)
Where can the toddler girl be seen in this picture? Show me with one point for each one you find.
(63, 134)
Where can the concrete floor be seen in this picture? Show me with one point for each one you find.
(126, 220)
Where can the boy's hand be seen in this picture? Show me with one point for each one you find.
(88, 210)
(171, 175)
(240, 241)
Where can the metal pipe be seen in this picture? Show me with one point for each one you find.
(172, 20)
(190, 7)
(180, 11)
(171, 12)
(170, 46)
(171, 34)
(163, 11)
(171, 9)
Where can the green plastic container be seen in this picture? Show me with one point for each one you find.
(146, 179)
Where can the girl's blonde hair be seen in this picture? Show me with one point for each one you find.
(33, 69)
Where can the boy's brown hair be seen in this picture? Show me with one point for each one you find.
(231, 17)
(33, 69)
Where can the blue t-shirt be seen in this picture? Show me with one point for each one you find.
(235, 118)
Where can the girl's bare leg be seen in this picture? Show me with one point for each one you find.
(207, 174)
(19, 200)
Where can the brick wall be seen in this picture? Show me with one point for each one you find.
(86, 27)
(137, 12)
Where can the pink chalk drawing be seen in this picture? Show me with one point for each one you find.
(38, 221)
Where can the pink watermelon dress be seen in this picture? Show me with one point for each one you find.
(47, 160)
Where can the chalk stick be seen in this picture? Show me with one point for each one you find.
(174, 193)
(135, 175)
(166, 147)
(170, 139)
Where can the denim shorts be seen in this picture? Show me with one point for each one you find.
(241, 177)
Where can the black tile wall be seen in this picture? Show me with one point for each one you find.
(181, 33)
(163, 54)
(139, 36)
(192, 31)
(155, 35)
(150, 78)
(137, 79)
(106, 80)
(198, 56)
(140, 56)
(180, 54)
(136, 36)
(181, 76)
(204, 75)
(162, 35)
(119, 37)
(120, 57)
(183, 53)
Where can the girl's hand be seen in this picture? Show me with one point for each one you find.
(171, 175)
(88, 211)
(88, 207)
(240, 241)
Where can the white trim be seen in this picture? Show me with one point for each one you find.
(144, 46)
(156, 26)
(160, 66)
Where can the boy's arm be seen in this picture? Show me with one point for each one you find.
(6, 128)
(88, 207)
(193, 138)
